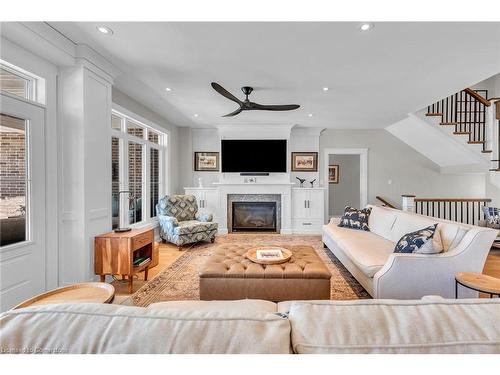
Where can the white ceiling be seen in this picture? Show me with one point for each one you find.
(375, 78)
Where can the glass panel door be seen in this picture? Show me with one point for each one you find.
(22, 201)
(13, 180)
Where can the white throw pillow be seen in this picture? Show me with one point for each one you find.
(433, 246)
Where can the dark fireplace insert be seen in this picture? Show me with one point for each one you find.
(254, 216)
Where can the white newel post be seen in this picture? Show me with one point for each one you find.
(491, 131)
(408, 203)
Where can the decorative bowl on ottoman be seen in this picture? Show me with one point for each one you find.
(229, 275)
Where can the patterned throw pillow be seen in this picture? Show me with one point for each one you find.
(414, 241)
(355, 219)
(491, 214)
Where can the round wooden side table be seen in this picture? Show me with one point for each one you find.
(478, 282)
(93, 292)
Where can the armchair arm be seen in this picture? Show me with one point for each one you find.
(167, 223)
(412, 276)
(204, 217)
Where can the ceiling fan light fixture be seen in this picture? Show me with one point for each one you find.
(366, 26)
(104, 30)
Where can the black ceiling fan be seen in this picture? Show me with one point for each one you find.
(247, 105)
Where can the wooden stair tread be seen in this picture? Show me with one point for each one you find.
(434, 114)
(486, 151)
(461, 133)
(448, 123)
(475, 142)
(494, 169)
(494, 160)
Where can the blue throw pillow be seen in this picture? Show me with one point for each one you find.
(355, 219)
(412, 242)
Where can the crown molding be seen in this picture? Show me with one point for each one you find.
(48, 43)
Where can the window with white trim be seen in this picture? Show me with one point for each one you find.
(137, 173)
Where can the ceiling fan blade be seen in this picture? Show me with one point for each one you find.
(234, 113)
(284, 107)
(221, 90)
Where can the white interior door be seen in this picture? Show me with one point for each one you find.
(22, 200)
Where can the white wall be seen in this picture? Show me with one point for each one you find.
(204, 140)
(305, 140)
(395, 169)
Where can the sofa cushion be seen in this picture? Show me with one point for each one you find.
(409, 222)
(355, 219)
(396, 326)
(194, 226)
(381, 221)
(367, 250)
(99, 328)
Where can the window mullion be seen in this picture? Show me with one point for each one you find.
(124, 198)
(146, 183)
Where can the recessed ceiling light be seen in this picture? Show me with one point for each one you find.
(325, 89)
(366, 26)
(195, 115)
(168, 89)
(104, 30)
(310, 115)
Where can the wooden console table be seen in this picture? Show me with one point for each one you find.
(114, 253)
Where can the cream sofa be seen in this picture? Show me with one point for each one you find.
(370, 257)
(430, 325)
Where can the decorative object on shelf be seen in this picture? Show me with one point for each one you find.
(200, 182)
(304, 161)
(301, 180)
(312, 182)
(333, 174)
(206, 161)
(268, 254)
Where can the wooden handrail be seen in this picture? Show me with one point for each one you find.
(387, 204)
(477, 96)
(452, 200)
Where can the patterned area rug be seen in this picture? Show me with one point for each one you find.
(180, 280)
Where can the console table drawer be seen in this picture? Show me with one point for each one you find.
(142, 240)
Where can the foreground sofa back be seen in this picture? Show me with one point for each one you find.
(430, 325)
(97, 328)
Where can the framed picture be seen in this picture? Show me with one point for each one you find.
(206, 161)
(304, 161)
(333, 174)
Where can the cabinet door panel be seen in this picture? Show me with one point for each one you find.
(316, 204)
(299, 203)
(211, 202)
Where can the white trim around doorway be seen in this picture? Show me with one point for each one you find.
(363, 170)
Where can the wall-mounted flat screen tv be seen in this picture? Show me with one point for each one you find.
(253, 155)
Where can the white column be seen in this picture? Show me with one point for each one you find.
(85, 115)
(491, 131)
(408, 203)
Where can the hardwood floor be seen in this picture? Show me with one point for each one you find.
(169, 254)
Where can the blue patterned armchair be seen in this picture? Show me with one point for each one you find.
(180, 222)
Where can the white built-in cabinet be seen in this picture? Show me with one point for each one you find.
(207, 199)
(308, 210)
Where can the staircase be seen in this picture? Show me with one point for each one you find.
(468, 114)
(459, 133)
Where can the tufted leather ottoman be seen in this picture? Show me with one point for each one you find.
(228, 275)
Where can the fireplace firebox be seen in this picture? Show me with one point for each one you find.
(254, 216)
